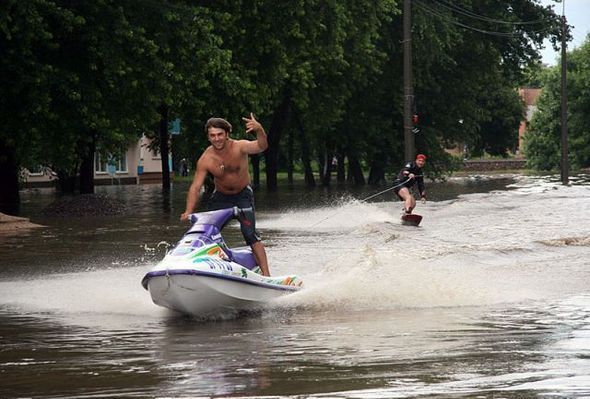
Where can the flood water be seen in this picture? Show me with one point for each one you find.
(489, 297)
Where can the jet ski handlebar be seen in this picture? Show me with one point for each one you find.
(235, 213)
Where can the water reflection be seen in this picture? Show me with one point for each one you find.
(476, 304)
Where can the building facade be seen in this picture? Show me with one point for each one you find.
(139, 165)
(529, 96)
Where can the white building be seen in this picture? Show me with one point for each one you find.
(139, 165)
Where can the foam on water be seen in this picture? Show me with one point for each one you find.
(101, 296)
(339, 217)
(480, 249)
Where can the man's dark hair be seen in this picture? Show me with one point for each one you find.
(219, 123)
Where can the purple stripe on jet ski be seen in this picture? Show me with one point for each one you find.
(192, 272)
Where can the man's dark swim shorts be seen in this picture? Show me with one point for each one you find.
(243, 199)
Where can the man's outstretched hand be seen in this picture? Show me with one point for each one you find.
(252, 124)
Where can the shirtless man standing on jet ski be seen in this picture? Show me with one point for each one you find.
(227, 160)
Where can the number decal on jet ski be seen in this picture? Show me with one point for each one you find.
(218, 264)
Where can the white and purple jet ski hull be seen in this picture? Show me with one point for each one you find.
(200, 276)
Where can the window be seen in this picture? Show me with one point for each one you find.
(37, 170)
(101, 164)
(122, 164)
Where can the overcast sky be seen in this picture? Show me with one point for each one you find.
(577, 13)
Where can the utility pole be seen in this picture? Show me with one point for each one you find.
(409, 150)
(564, 149)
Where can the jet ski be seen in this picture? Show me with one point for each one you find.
(201, 276)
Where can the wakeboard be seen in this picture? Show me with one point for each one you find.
(411, 219)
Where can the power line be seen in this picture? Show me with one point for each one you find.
(473, 28)
(471, 14)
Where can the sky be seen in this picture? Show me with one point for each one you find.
(577, 13)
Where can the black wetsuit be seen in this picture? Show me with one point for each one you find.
(403, 180)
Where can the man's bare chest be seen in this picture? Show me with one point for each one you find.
(228, 164)
(231, 167)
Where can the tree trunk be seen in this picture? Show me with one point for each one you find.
(9, 170)
(164, 147)
(66, 181)
(255, 159)
(320, 161)
(340, 171)
(355, 172)
(377, 172)
(271, 155)
(87, 164)
(290, 157)
(309, 179)
(326, 168)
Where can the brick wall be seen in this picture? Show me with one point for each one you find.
(494, 164)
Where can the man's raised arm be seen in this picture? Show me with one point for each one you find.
(261, 143)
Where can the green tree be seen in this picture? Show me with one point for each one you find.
(464, 79)
(499, 127)
(188, 67)
(26, 36)
(98, 99)
(469, 58)
(543, 139)
(100, 73)
(533, 75)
